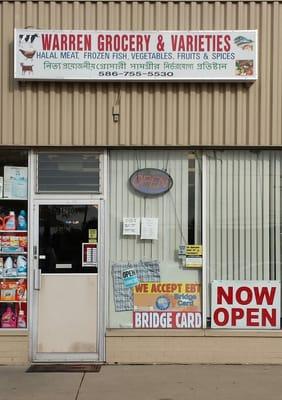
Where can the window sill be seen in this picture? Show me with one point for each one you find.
(117, 332)
(13, 332)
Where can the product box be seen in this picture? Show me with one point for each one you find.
(15, 182)
(14, 243)
(8, 291)
(21, 290)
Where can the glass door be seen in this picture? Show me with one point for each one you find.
(66, 268)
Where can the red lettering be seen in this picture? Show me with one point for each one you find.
(56, 45)
(236, 314)
(189, 42)
(87, 42)
(216, 318)
(266, 293)
(201, 43)
(100, 42)
(252, 317)
(181, 44)
(147, 39)
(208, 37)
(267, 317)
(227, 41)
(221, 294)
(46, 41)
(65, 42)
(132, 46)
(71, 42)
(64, 45)
(79, 46)
(219, 43)
(239, 292)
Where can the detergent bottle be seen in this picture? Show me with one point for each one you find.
(22, 225)
(9, 319)
(10, 222)
(9, 269)
(21, 323)
(21, 266)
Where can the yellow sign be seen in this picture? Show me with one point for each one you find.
(167, 296)
(193, 250)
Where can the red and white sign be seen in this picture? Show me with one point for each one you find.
(167, 320)
(79, 55)
(245, 305)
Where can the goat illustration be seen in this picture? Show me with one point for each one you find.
(26, 68)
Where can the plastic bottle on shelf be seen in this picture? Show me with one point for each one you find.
(21, 266)
(10, 221)
(9, 269)
(22, 225)
(9, 319)
(21, 323)
(1, 267)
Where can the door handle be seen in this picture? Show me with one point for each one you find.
(37, 279)
(35, 252)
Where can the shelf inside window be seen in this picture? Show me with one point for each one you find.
(12, 199)
(13, 301)
(13, 252)
(13, 277)
(12, 231)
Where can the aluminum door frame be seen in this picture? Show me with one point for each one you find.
(35, 199)
(65, 357)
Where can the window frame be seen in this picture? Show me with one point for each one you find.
(101, 155)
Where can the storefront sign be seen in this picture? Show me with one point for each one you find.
(151, 181)
(246, 304)
(167, 305)
(135, 55)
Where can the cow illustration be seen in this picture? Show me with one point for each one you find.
(27, 38)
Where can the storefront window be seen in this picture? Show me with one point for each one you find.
(154, 282)
(74, 172)
(14, 236)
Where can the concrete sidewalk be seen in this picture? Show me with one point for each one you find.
(146, 382)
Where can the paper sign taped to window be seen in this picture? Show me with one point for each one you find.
(131, 226)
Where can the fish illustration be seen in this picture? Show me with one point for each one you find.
(242, 40)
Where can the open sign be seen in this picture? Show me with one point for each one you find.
(151, 181)
(246, 304)
(130, 278)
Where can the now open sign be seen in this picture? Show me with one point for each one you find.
(245, 305)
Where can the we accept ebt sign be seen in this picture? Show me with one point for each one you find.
(245, 304)
(135, 55)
